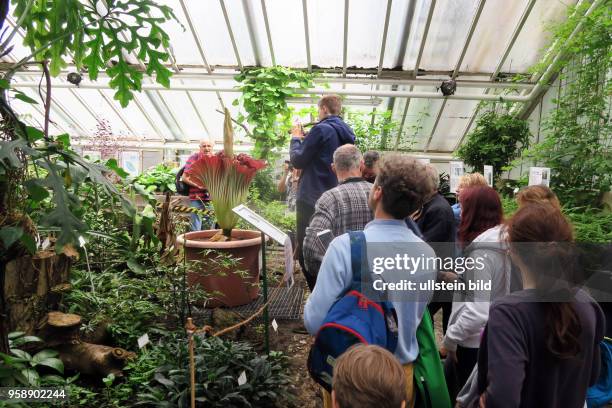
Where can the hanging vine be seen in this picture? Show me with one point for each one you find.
(577, 133)
(264, 98)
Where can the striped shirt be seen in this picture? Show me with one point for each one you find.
(343, 208)
(194, 192)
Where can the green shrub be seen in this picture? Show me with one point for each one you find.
(218, 364)
(160, 179)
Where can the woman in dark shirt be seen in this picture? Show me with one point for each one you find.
(541, 345)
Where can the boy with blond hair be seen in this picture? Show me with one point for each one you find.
(368, 376)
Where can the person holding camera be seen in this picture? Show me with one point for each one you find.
(313, 154)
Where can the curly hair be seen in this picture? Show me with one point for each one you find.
(404, 183)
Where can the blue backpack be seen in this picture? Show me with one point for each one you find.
(600, 394)
(353, 319)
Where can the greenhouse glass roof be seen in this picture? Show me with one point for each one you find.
(379, 54)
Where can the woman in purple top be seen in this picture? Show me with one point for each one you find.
(540, 347)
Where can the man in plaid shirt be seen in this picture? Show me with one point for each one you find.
(343, 208)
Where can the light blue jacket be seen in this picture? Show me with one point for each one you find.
(335, 278)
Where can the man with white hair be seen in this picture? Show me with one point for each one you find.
(343, 208)
(198, 194)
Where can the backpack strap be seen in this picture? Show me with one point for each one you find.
(358, 246)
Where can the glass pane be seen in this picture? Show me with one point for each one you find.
(535, 36)
(326, 21)
(210, 26)
(286, 20)
(497, 21)
(454, 119)
(365, 32)
(449, 27)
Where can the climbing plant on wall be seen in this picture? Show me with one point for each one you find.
(577, 133)
(264, 99)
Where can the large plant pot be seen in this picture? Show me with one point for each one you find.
(226, 286)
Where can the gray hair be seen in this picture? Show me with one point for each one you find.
(433, 179)
(347, 157)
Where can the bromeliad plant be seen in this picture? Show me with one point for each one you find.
(227, 178)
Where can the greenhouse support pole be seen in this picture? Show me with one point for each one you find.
(264, 277)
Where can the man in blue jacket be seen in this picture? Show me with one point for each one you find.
(313, 154)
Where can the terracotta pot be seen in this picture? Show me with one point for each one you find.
(230, 289)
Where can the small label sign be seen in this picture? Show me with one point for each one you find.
(81, 241)
(46, 243)
(275, 325)
(242, 378)
(143, 340)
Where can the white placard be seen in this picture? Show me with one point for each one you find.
(539, 176)
(82, 241)
(456, 171)
(143, 340)
(46, 243)
(242, 378)
(488, 174)
(260, 223)
(289, 264)
(130, 162)
(274, 325)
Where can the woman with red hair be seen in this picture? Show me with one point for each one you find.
(481, 238)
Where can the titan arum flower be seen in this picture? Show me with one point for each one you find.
(227, 178)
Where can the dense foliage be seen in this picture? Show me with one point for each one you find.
(264, 99)
(219, 363)
(160, 179)
(496, 140)
(577, 133)
(371, 128)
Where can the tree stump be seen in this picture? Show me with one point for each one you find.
(60, 331)
(33, 286)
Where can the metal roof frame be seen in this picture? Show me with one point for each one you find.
(517, 30)
(306, 35)
(432, 7)
(466, 44)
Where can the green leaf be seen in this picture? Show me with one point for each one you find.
(136, 267)
(36, 190)
(23, 97)
(29, 242)
(4, 84)
(29, 376)
(34, 134)
(8, 152)
(25, 339)
(10, 235)
(43, 355)
(21, 354)
(54, 363)
(112, 164)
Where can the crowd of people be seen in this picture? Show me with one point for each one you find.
(503, 347)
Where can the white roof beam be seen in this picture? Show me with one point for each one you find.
(306, 35)
(432, 7)
(345, 43)
(231, 33)
(199, 45)
(268, 34)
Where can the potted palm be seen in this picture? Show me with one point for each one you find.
(227, 178)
